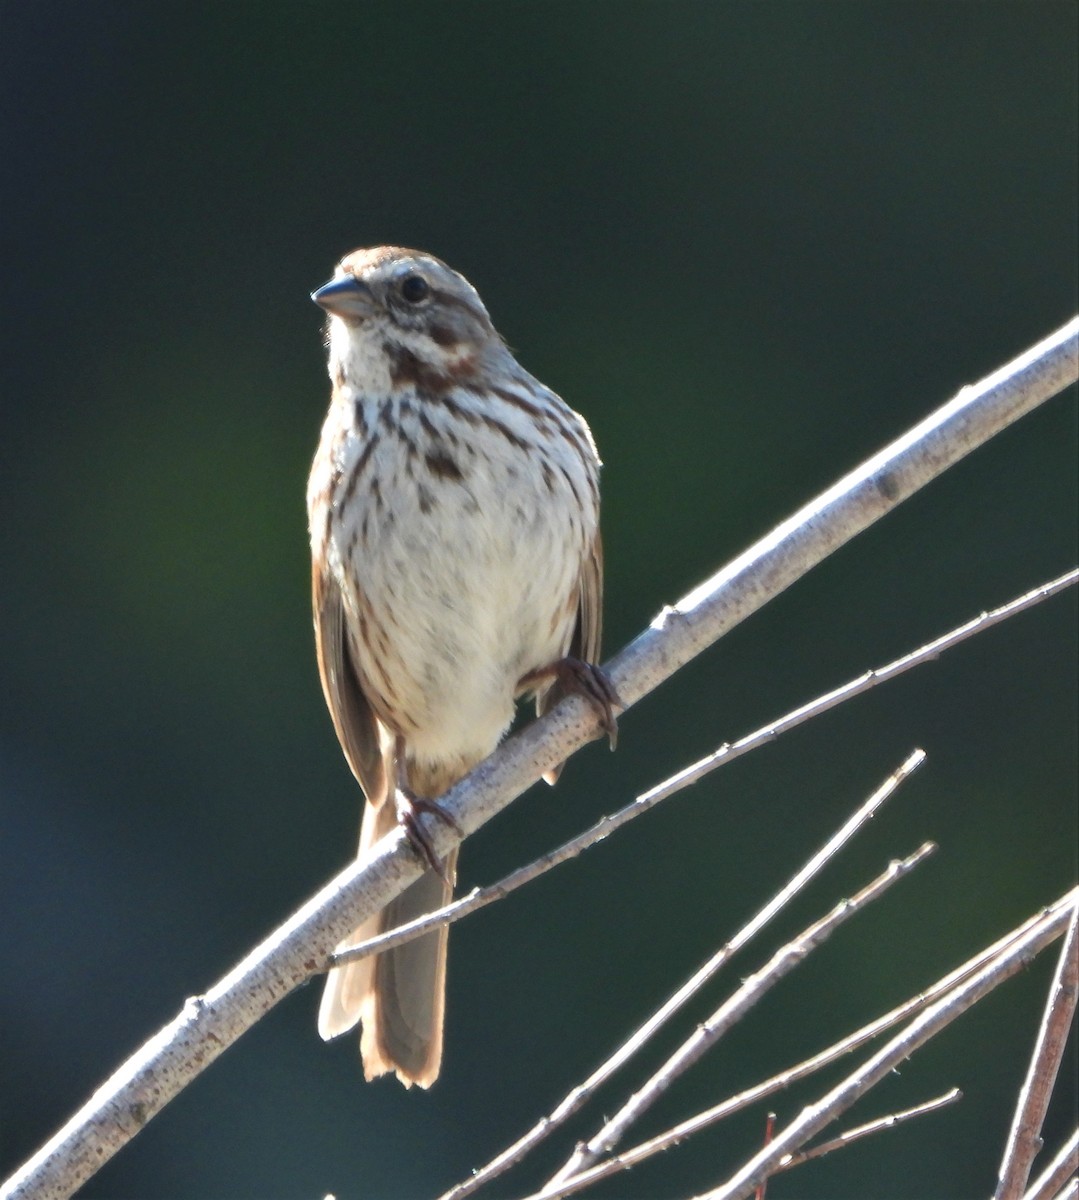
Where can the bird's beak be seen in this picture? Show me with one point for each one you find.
(345, 297)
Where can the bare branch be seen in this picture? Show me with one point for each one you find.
(580, 1095)
(207, 1025)
(1025, 1141)
(761, 1091)
(753, 989)
(1049, 1184)
(816, 1117)
(871, 1127)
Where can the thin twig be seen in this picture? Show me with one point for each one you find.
(769, 1129)
(480, 897)
(165, 1064)
(870, 1127)
(777, 1083)
(752, 990)
(1025, 1141)
(815, 1117)
(584, 1091)
(1065, 1162)
(1070, 1191)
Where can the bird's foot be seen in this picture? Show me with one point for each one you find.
(574, 675)
(410, 808)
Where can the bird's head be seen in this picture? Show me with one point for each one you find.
(406, 315)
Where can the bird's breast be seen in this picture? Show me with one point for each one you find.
(457, 532)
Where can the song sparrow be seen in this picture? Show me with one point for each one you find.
(457, 565)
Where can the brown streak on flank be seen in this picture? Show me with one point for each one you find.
(426, 499)
(588, 461)
(548, 420)
(572, 487)
(442, 466)
(386, 685)
(492, 423)
(457, 410)
(548, 475)
(411, 449)
(580, 443)
(526, 406)
(365, 635)
(545, 418)
(428, 426)
(358, 470)
(381, 642)
(565, 613)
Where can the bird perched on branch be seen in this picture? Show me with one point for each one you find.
(457, 566)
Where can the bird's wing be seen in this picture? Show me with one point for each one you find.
(586, 636)
(353, 718)
(585, 641)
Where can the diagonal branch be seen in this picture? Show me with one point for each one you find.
(301, 947)
(1050, 1184)
(815, 1117)
(777, 1083)
(752, 990)
(1024, 1141)
(642, 1035)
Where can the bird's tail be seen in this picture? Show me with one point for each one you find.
(399, 995)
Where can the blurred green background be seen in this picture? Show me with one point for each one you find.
(752, 243)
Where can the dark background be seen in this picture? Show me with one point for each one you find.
(752, 243)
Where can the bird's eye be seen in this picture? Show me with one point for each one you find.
(415, 288)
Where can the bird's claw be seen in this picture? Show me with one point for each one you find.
(589, 681)
(410, 808)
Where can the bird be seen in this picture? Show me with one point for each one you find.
(457, 566)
